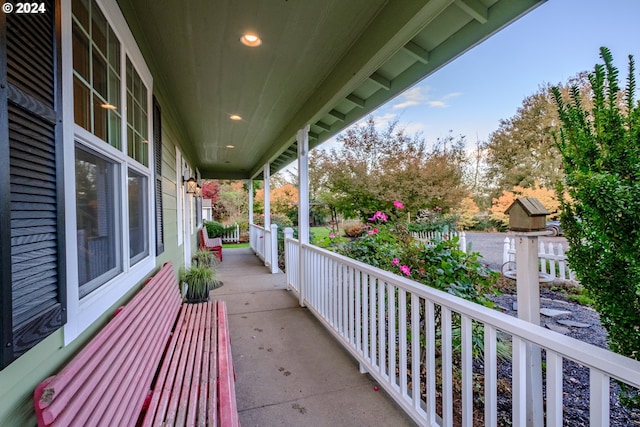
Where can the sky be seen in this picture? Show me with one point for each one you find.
(550, 44)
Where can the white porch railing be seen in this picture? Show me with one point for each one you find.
(265, 244)
(430, 236)
(552, 259)
(232, 236)
(395, 327)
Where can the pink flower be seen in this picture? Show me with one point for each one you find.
(405, 269)
(379, 215)
(398, 205)
(374, 231)
(395, 261)
(438, 208)
(332, 236)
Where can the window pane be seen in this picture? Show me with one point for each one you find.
(97, 224)
(81, 104)
(115, 130)
(100, 119)
(138, 230)
(130, 142)
(99, 28)
(81, 12)
(81, 53)
(100, 75)
(114, 51)
(114, 89)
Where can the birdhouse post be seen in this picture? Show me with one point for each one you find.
(527, 218)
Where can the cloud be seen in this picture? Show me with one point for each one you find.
(411, 98)
(436, 104)
(419, 95)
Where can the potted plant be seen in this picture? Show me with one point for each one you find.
(204, 257)
(199, 279)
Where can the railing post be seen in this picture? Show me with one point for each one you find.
(288, 234)
(505, 250)
(528, 296)
(462, 236)
(274, 249)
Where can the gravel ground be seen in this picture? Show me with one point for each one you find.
(576, 378)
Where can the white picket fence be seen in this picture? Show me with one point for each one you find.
(429, 236)
(553, 261)
(232, 235)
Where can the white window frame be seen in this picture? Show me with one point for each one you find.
(82, 313)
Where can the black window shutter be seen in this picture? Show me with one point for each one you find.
(157, 152)
(33, 293)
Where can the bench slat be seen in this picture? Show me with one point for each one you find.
(207, 404)
(228, 410)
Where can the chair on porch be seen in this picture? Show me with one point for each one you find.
(212, 244)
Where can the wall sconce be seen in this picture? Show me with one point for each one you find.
(198, 191)
(191, 186)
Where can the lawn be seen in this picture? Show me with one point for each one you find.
(320, 236)
(235, 245)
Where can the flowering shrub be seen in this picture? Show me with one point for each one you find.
(387, 244)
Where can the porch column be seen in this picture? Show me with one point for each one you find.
(252, 237)
(303, 205)
(267, 196)
(268, 256)
(250, 187)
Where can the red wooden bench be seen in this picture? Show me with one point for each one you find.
(212, 244)
(157, 362)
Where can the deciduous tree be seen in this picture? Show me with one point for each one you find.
(372, 168)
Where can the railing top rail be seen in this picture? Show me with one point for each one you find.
(257, 226)
(606, 361)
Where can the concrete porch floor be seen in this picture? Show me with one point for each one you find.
(289, 370)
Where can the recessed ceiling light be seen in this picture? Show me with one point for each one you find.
(235, 117)
(108, 106)
(250, 40)
(231, 146)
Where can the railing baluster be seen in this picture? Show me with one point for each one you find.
(490, 377)
(382, 345)
(365, 317)
(373, 319)
(402, 333)
(345, 302)
(391, 334)
(447, 368)
(598, 398)
(519, 375)
(467, 371)
(554, 389)
(416, 385)
(431, 361)
(351, 311)
(358, 303)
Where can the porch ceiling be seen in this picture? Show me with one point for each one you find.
(325, 63)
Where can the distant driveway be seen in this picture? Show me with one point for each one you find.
(490, 245)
